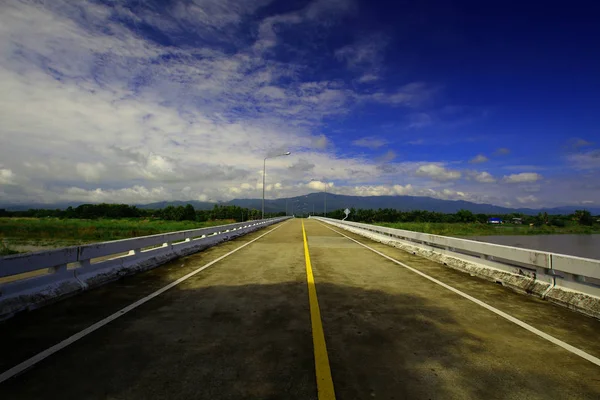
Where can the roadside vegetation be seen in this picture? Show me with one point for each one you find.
(36, 229)
(465, 223)
(77, 231)
(6, 250)
(31, 230)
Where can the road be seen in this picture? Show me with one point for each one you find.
(241, 328)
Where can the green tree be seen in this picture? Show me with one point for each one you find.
(189, 213)
(584, 217)
(465, 216)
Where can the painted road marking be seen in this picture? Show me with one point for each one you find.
(324, 381)
(512, 319)
(17, 369)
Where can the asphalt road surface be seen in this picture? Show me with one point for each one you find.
(262, 323)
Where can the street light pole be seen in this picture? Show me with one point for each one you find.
(287, 153)
(324, 197)
(325, 201)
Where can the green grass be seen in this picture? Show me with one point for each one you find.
(54, 231)
(6, 251)
(478, 229)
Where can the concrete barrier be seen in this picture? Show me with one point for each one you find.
(30, 280)
(570, 281)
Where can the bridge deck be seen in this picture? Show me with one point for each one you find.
(242, 329)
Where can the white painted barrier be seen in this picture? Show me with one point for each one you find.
(32, 279)
(567, 280)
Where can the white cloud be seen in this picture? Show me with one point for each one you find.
(375, 190)
(148, 135)
(478, 159)
(367, 78)
(320, 142)
(158, 167)
(522, 177)
(524, 166)
(452, 194)
(142, 113)
(90, 172)
(586, 161)
(317, 12)
(6, 176)
(319, 185)
(93, 110)
(437, 173)
(483, 177)
(527, 199)
(502, 151)
(366, 53)
(132, 195)
(411, 95)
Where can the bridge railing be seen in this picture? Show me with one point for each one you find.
(30, 278)
(532, 271)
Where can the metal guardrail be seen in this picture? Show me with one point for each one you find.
(558, 270)
(53, 273)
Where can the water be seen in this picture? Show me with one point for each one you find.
(587, 246)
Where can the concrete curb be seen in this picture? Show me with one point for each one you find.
(521, 280)
(32, 293)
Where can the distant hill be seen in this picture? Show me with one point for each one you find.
(336, 201)
(403, 203)
(198, 205)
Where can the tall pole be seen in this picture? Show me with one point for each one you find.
(287, 153)
(263, 199)
(324, 196)
(325, 201)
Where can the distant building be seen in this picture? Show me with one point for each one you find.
(517, 221)
(494, 221)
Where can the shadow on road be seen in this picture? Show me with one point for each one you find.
(254, 342)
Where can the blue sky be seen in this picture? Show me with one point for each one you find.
(129, 101)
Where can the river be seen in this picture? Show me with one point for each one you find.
(587, 246)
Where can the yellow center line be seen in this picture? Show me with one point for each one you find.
(324, 382)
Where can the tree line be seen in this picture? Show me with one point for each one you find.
(169, 213)
(582, 217)
(230, 212)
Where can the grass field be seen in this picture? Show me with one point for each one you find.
(29, 234)
(478, 229)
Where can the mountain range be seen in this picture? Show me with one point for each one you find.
(315, 202)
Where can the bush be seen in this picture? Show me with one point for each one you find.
(584, 217)
(6, 251)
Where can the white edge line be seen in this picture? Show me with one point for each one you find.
(512, 319)
(17, 369)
